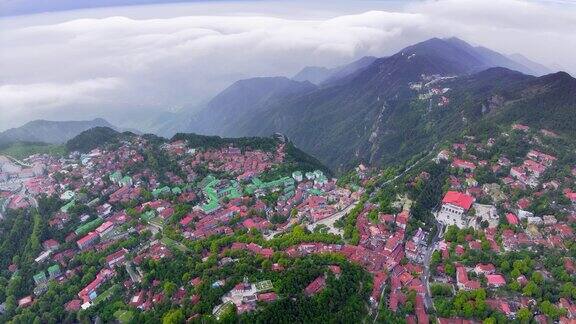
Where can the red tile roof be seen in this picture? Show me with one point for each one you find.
(512, 219)
(267, 297)
(458, 199)
(495, 280)
(315, 286)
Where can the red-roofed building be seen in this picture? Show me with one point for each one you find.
(257, 223)
(541, 157)
(569, 265)
(458, 199)
(186, 220)
(51, 245)
(495, 280)
(379, 279)
(570, 195)
(534, 167)
(484, 268)
(267, 297)
(315, 286)
(512, 219)
(88, 240)
(73, 305)
(454, 205)
(89, 292)
(463, 282)
(25, 302)
(524, 203)
(196, 282)
(520, 127)
(116, 258)
(105, 228)
(335, 270)
(464, 165)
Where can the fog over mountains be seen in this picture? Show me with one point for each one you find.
(150, 67)
(367, 112)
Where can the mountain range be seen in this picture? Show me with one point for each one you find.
(53, 132)
(369, 114)
(367, 111)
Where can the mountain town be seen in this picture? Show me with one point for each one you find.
(216, 161)
(197, 228)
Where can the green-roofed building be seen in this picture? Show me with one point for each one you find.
(250, 189)
(54, 271)
(310, 175)
(93, 202)
(297, 175)
(126, 181)
(160, 191)
(147, 216)
(67, 195)
(40, 278)
(316, 192)
(319, 177)
(211, 194)
(85, 228)
(176, 190)
(66, 208)
(115, 177)
(211, 206)
(232, 191)
(209, 181)
(258, 184)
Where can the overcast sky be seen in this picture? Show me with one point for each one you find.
(123, 63)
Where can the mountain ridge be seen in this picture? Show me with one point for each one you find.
(49, 131)
(373, 116)
(323, 76)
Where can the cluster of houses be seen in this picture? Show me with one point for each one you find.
(107, 181)
(506, 222)
(22, 180)
(119, 187)
(381, 251)
(429, 88)
(245, 296)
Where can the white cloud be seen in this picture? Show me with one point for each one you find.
(20, 96)
(184, 58)
(20, 100)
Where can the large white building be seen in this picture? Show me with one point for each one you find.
(454, 207)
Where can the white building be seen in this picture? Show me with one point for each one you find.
(454, 206)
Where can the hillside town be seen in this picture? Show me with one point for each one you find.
(481, 229)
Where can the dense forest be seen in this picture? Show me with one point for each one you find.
(95, 137)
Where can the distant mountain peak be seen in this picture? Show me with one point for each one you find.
(328, 76)
(50, 131)
(560, 77)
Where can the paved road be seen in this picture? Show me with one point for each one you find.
(426, 261)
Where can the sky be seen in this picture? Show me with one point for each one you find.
(135, 62)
